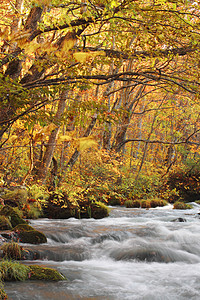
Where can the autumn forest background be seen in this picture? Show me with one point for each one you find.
(99, 100)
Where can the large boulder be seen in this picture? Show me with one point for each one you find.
(16, 197)
(32, 237)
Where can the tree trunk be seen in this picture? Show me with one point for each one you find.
(14, 66)
(121, 131)
(42, 170)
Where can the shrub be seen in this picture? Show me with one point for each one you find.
(13, 271)
(186, 183)
(12, 250)
(157, 202)
(132, 204)
(30, 211)
(128, 203)
(145, 204)
(3, 295)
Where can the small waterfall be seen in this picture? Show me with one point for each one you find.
(132, 254)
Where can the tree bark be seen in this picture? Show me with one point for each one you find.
(126, 118)
(42, 169)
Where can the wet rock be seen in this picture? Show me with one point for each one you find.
(179, 220)
(32, 237)
(42, 273)
(23, 227)
(10, 236)
(28, 254)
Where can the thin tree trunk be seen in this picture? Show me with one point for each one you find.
(76, 153)
(121, 132)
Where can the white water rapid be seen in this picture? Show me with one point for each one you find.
(133, 254)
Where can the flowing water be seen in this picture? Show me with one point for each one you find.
(132, 254)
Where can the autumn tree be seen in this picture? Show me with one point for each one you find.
(48, 47)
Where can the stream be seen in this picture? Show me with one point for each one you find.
(132, 254)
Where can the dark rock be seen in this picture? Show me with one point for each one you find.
(179, 220)
(32, 237)
(28, 254)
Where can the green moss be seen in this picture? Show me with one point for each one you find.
(12, 250)
(13, 216)
(181, 205)
(5, 223)
(43, 273)
(13, 271)
(32, 237)
(15, 198)
(23, 227)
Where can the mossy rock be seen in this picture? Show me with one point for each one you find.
(132, 203)
(181, 205)
(13, 271)
(99, 210)
(145, 204)
(23, 227)
(129, 204)
(13, 216)
(15, 198)
(5, 223)
(43, 273)
(32, 237)
(157, 202)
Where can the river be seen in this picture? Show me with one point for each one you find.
(132, 254)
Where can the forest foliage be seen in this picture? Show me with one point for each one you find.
(100, 98)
